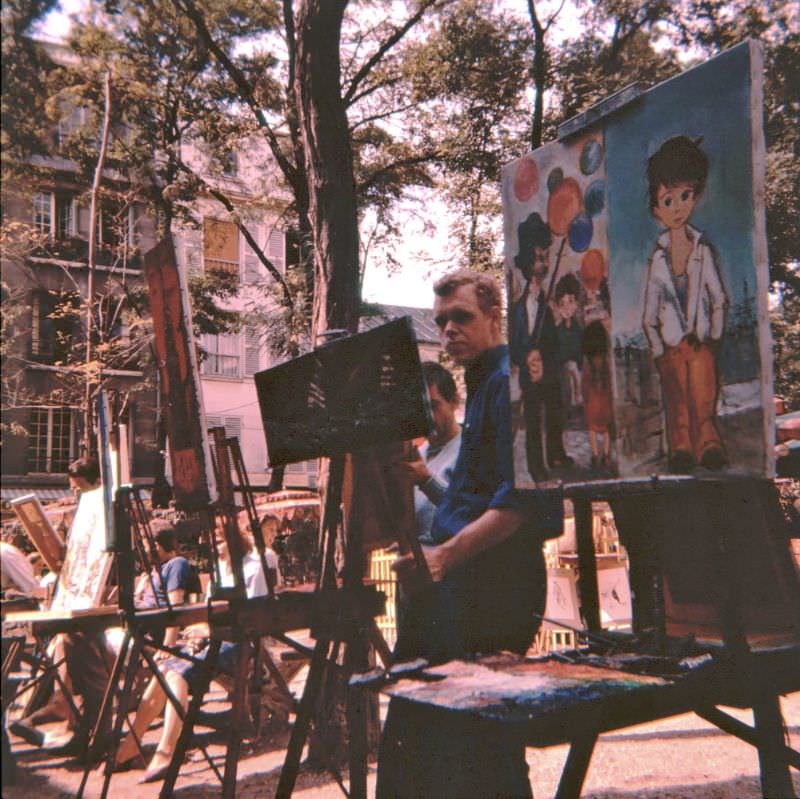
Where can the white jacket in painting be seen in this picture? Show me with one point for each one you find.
(665, 323)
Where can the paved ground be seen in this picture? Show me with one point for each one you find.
(680, 758)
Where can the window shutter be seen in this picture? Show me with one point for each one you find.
(252, 352)
(252, 265)
(276, 251)
(192, 250)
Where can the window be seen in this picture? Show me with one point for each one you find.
(51, 440)
(53, 317)
(65, 217)
(222, 355)
(230, 164)
(232, 424)
(43, 212)
(220, 247)
(72, 121)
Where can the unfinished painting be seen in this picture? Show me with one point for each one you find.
(84, 575)
(637, 287)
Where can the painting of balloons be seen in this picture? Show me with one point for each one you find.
(637, 283)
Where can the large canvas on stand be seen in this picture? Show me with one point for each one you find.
(637, 291)
(179, 380)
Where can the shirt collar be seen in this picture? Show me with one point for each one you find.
(486, 363)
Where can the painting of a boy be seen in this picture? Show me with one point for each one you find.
(570, 333)
(684, 307)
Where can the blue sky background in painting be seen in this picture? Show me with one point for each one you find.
(712, 101)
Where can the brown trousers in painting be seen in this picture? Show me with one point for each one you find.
(689, 392)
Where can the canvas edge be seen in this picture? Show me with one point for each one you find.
(183, 284)
(760, 250)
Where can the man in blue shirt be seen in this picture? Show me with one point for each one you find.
(484, 552)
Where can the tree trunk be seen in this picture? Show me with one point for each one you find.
(329, 166)
(333, 218)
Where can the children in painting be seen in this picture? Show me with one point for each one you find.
(684, 309)
(596, 384)
(533, 329)
(569, 332)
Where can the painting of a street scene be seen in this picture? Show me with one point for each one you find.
(637, 288)
(559, 313)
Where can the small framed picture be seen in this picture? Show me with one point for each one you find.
(44, 537)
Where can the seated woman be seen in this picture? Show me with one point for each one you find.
(180, 674)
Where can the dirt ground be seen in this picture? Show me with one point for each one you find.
(678, 758)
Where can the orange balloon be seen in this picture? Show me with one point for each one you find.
(593, 269)
(526, 180)
(565, 203)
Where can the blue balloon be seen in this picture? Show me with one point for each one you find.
(554, 178)
(594, 199)
(580, 232)
(591, 156)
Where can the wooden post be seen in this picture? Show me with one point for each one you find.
(587, 580)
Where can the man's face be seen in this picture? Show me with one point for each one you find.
(79, 485)
(442, 411)
(567, 306)
(535, 366)
(675, 205)
(466, 330)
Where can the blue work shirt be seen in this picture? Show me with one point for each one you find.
(178, 573)
(487, 603)
(483, 477)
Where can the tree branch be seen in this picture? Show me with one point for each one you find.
(242, 84)
(372, 179)
(378, 55)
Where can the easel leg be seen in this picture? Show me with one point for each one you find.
(356, 660)
(122, 712)
(239, 711)
(187, 728)
(580, 754)
(299, 735)
(775, 777)
(108, 700)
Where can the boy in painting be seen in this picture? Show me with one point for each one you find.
(685, 301)
(569, 338)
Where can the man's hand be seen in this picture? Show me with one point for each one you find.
(435, 557)
(417, 470)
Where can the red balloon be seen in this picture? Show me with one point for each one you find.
(565, 203)
(526, 180)
(593, 269)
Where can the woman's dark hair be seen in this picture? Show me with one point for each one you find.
(436, 375)
(87, 468)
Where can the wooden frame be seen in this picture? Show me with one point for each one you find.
(44, 536)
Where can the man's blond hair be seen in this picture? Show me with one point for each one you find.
(486, 288)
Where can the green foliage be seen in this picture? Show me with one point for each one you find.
(785, 318)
